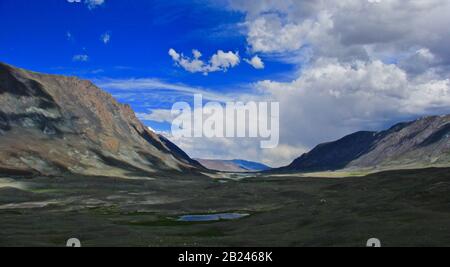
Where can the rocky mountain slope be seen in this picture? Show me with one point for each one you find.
(421, 143)
(54, 125)
(233, 165)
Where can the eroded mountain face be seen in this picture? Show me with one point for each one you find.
(53, 125)
(422, 143)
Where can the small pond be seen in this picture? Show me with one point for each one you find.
(212, 217)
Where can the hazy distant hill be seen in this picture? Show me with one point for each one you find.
(54, 125)
(233, 165)
(421, 143)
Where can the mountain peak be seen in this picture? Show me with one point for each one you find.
(423, 142)
(51, 124)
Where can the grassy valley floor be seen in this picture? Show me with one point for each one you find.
(401, 208)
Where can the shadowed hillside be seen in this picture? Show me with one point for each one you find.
(421, 143)
(53, 125)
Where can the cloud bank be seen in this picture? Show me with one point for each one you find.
(358, 65)
(361, 65)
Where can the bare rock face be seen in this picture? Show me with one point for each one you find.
(53, 125)
(421, 143)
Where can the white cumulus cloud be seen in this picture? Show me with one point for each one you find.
(256, 62)
(221, 61)
(347, 30)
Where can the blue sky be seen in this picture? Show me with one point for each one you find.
(46, 35)
(335, 67)
(35, 36)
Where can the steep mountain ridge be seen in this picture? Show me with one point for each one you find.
(55, 124)
(421, 143)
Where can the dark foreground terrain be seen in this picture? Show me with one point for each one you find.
(401, 208)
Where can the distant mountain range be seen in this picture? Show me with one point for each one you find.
(421, 143)
(53, 125)
(233, 165)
